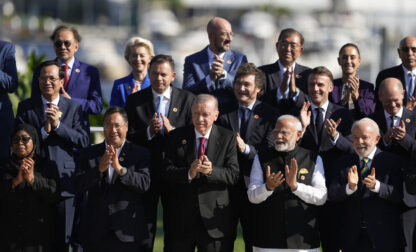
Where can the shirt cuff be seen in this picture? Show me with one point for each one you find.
(376, 188)
(349, 191)
(296, 95)
(247, 150)
(189, 176)
(280, 96)
(149, 137)
(224, 75)
(334, 142)
(210, 83)
(43, 133)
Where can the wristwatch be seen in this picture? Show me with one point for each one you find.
(123, 171)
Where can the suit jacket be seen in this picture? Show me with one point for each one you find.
(84, 87)
(123, 87)
(8, 84)
(59, 145)
(410, 180)
(196, 69)
(204, 197)
(364, 106)
(395, 72)
(114, 207)
(405, 148)
(273, 81)
(259, 133)
(324, 147)
(380, 211)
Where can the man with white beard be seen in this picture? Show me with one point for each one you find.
(369, 183)
(286, 197)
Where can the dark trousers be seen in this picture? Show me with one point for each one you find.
(63, 218)
(241, 212)
(151, 200)
(199, 239)
(365, 244)
(112, 244)
(329, 221)
(408, 217)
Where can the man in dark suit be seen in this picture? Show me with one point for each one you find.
(252, 121)
(151, 119)
(115, 173)
(410, 179)
(398, 132)
(82, 81)
(58, 122)
(329, 141)
(370, 183)
(286, 81)
(200, 168)
(405, 72)
(212, 70)
(8, 84)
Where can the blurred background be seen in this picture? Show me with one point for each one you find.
(178, 27)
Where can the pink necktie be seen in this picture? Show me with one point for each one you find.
(201, 150)
(66, 80)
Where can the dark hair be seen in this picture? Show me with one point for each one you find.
(349, 45)
(251, 69)
(321, 70)
(52, 63)
(290, 31)
(67, 28)
(162, 58)
(114, 110)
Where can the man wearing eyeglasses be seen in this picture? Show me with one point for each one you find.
(82, 81)
(58, 122)
(405, 72)
(212, 70)
(116, 174)
(286, 81)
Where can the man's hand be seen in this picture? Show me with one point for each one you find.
(353, 177)
(305, 115)
(166, 124)
(155, 125)
(370, 180)
(114, 159)
(290, 174)
(64, 93)
(354, 84)
(273, 180)
(331, 127)
(206, 166)
(217, 68)
(241, 145)
(411, 103)
(283, 84)
(292, 83)
(106, 160)
(193, 171)
(399, 132)
(27, 168)
(135, 88)
(52, 115)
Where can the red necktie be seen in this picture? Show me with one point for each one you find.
(201, 149)
(66, 80)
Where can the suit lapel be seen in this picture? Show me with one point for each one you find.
(233, 118)
(213, 145)
(148, 106)
(276, 76)
(121, 159)
(381, 120)
(128, 85)
(189, 144)
(328, 115)
(204, 63)
(174, 106)
(252, 122)
(73, 79)
(39, 111)
(228, 60)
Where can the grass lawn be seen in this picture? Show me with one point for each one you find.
(238, 245)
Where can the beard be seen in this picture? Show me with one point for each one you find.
(364, 150)
(284, 147)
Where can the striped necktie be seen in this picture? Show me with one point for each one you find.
(364, 167)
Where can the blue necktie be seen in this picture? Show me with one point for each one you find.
(364, 167)
(161, 111)
(245, 116)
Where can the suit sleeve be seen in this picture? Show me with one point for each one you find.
(137, 132)
(228, 81)
(46, 186)
(93, 104)
(190, 80)
(339, 182)
(8, 74)
(35, 83)
(116, 99)
(137, 177)
(392, 189)
(365, 103)
(87, 174)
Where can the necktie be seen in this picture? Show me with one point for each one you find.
(319, 121)
(364, 167)
(411, 85)
(161, 111)
(245, 116)
(66, 79)
(391, 122)
(201, 149)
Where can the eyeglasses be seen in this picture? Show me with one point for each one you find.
(48, 78)
(283, 132)
(24, 139)
(406, 49)
(285, 44)
(109, 126)
(59, 43)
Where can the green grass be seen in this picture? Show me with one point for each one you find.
(238, 244)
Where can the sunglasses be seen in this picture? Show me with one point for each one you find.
(24, 139)
(60, 43)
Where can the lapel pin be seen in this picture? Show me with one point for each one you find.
(128, 88)
(77, 70)
(298, 76)
(184, 141)
(407, 120)
(256, 116)
(175, 110)
(229, 62)
(302, 177)
(121, 159)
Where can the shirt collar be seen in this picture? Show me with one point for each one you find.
(197, 135)
(325, 106)
(370, 156)
(166, 95)
(283, 69)
(70, 64)
(407, 71)
(54, 102)
(118, 149)
(399, 114)
(211, 54)
(250, 107)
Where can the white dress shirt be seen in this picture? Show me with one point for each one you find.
(166, 100)
(44, 102)
(70, 65)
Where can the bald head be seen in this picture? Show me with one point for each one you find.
(220, 35)
(391, 95)
(407, 52)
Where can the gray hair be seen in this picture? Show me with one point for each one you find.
(202, 98)
(366, 120)
(138, 41)
(298, 124)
